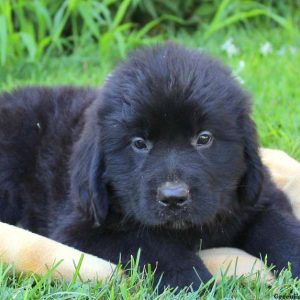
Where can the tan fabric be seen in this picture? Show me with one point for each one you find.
(30, 252)
(292, 189)
(33, 253)
(285, 172)
(234, 262)
(283, 168)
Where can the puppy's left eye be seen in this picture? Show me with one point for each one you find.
(203, 139)
(140, 145)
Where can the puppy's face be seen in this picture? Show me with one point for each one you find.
(173, 143)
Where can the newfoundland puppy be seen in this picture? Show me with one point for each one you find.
(162, 158)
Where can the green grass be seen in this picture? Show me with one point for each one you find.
(273, 80)
(139, 285)
(29, 29)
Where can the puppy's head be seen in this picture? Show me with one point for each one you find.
(173, 140)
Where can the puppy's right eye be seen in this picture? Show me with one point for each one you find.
(140, 145)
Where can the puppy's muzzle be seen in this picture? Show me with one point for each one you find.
(173, 194)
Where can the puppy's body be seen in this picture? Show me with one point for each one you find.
(38, 129)
(95, 168)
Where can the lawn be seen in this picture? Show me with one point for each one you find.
(266, 59)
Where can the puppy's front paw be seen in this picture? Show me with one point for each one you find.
(190, 278)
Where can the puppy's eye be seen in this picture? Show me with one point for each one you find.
(139, 144)
(204, 138)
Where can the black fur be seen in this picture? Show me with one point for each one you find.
(68, 170)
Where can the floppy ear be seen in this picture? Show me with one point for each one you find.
(252, 181)
(88, 189)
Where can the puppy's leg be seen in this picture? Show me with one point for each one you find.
(178, 266)
(277, 235)
(174, 265)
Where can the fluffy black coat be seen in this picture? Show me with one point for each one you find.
(71, 167)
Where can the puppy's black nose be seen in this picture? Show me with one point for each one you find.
(175, 194)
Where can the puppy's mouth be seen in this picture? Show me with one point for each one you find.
(171, 219)
(175, 219)
(178, 225)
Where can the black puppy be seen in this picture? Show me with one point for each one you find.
(162, 157)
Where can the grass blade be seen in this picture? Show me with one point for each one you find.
(3, 40)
